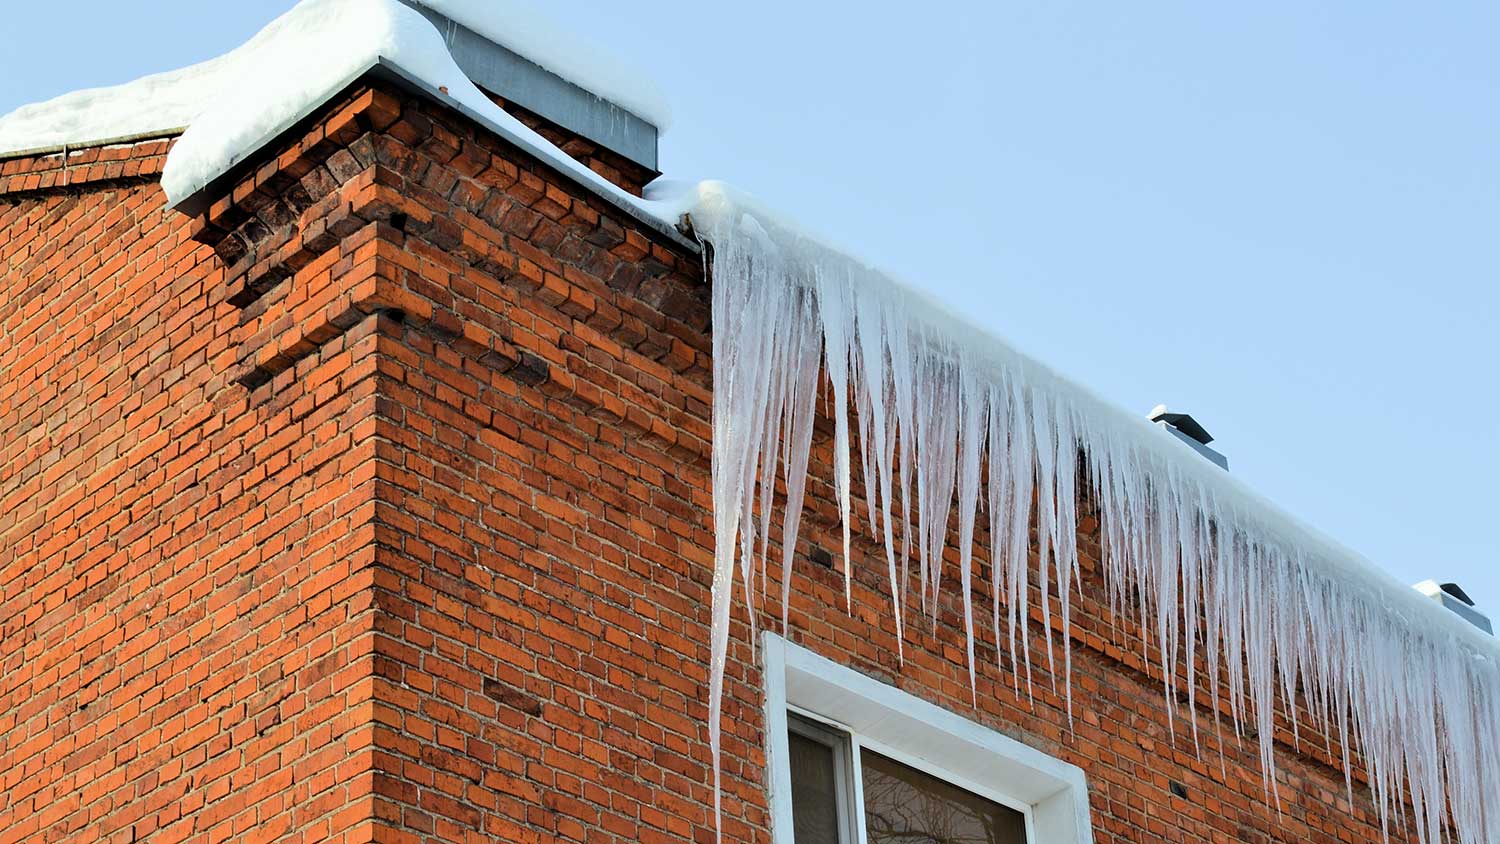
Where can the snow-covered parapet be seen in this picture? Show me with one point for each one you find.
(232, 104)
(947, 415)
(163, 103)
(297, 63)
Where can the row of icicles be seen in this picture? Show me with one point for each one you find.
(945, 417)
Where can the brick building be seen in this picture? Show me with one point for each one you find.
(364, 494)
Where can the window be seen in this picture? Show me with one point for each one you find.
(856, 761)
(898, 803)
(822, 785)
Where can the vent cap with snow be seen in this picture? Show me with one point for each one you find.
(1454, 598)
(1184, 427)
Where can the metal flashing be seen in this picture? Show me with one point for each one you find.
(503, 72)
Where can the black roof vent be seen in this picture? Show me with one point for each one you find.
(1457, 600)
(1187, 429)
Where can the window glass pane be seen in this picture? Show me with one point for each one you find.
(906, 806)
(815, 803)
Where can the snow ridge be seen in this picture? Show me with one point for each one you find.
(314, 46)
(308, 54)
(945, 412)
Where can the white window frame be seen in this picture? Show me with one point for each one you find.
(1052, 794)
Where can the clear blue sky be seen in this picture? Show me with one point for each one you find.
(1282, 217)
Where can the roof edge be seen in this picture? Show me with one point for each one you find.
(531, 85)
(196, 200)
(118, 140)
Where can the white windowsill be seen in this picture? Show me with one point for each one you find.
(1052, 792)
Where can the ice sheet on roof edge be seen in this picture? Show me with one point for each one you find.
(315, 36)
(1384, 671)
(784, 303)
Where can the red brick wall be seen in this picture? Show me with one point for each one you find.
(373, 504)
(186, 623)
(618, 169)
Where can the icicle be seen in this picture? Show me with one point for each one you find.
(997, 505)
(800, 415)
(1017, 571)
(1283, 618)
(835, 310)
(937, 440)
(971, 439)
(901, 393)
(872, 368)
(1065, 554)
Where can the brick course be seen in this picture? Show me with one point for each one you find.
(372, 503)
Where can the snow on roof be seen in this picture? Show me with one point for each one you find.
(517, 25)
(313, 42)
(162, 103)
(294, 65)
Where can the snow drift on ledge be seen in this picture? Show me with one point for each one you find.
(1212, 568)
(294, 54)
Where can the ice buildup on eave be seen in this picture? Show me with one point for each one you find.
(942, 416)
